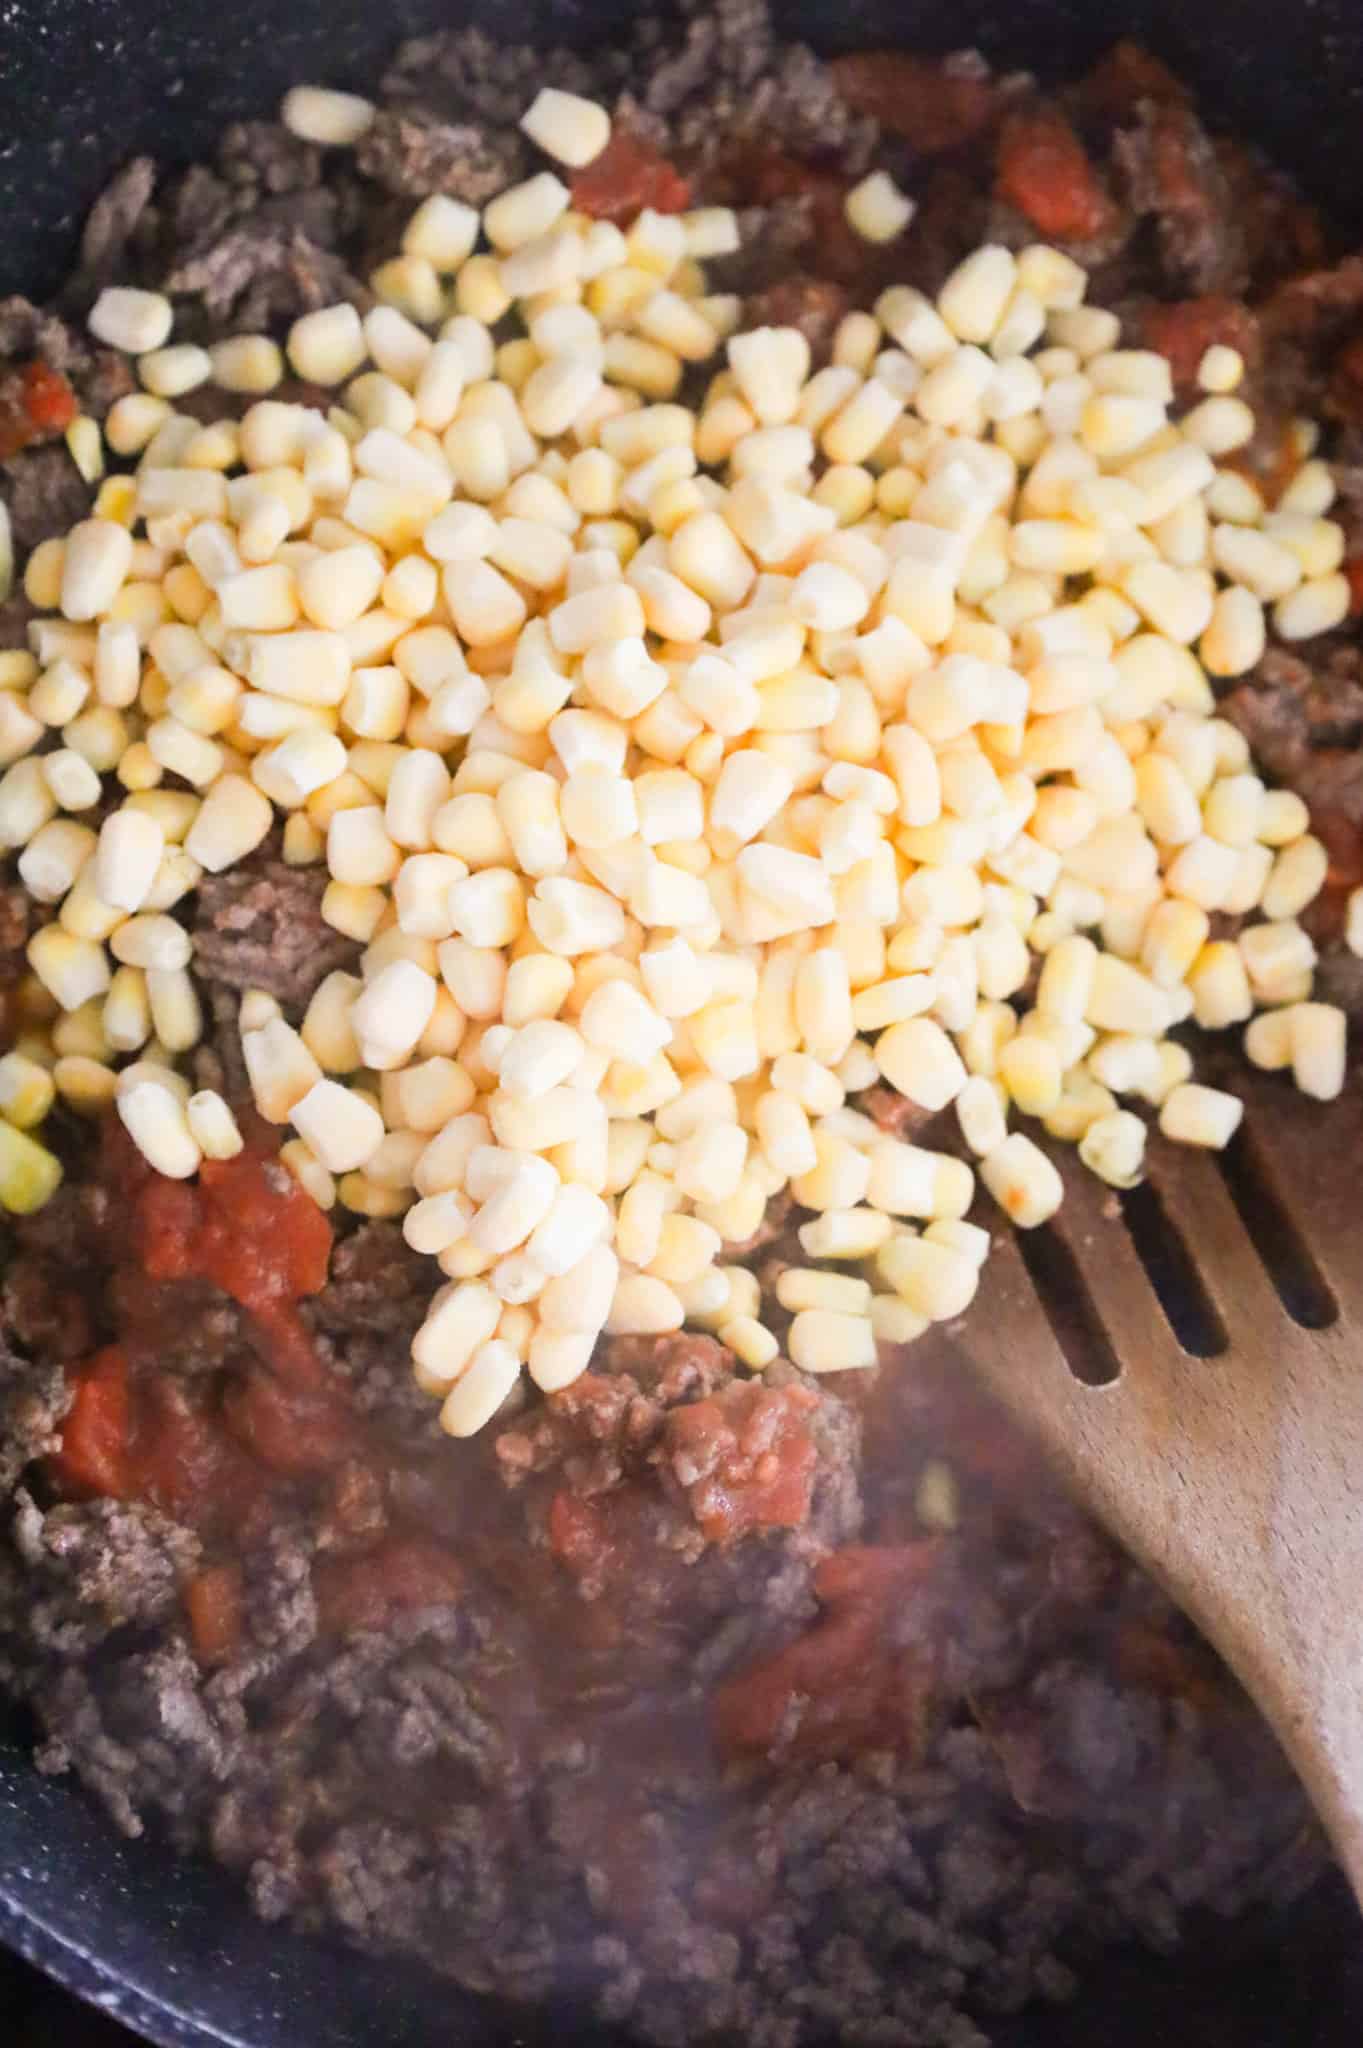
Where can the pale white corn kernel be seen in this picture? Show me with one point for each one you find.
(1203, 872)
(73, 970)
(1113, 1147)
(27, 1091)
(279, 1066)
(461, 1318)
(482, 1386)
(158, 1124)
(126, 859)
(56, 855)
(1030, 1069)
(1317, 1043)
(1318, 606)
(342, 1129)
(981, 1114)
(644, 1307)
(1218, 424)
(1297, 876)
(1088, 331)
(59, 693)
(1268, 1040)
(523, 211)
(918, 1059)
(1234, 638)
(320, 114)
(1022, 1181)
(1194, 1115)
(973, 299)
(877, 209)
(770, 365)
(826, 1340)
(213, 1126)
(1318, 544)
(328, 346)
(936, 1280)
(134, 321)
(97, 558)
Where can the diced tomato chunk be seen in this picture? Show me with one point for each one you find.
(36, 403)
(860, 1678)
(1045, 172)
(289, 1429)
(745, 1458)
(183, 1459)
(245, 1225)
(96, 1458)
(628, 176)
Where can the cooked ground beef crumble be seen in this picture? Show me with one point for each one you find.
(675, 1689)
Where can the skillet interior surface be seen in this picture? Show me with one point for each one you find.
(170, 1948)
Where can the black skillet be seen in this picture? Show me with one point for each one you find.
(169, 1947)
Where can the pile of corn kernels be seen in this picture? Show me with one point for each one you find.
(682, 766)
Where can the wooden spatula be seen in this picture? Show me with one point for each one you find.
(1222, 1304)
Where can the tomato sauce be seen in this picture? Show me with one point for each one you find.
(245, 1226)
(860, 1678)
(628, 176)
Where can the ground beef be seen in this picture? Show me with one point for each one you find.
(46, 495)
(97, 1567)
(412, 154)
(260, 925)
(264, 274)
(1304, 720)
(99, 375)
(33, 1399)
(218, 1059)
(110, 226)
(47, 1315)
(265, 156)
(1172, 173)
(15, 613)
(374, 1304)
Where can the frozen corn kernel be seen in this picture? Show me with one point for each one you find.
(567, 127)
(1194, 1115)
(825, 1340)
(320, 114)
(877, 209)
(1113, 1147)
(1317, 1035)
(1022, 1181)
(135, 321)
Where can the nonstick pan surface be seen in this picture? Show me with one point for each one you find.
(168, 1947)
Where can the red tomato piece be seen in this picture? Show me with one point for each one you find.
(1044, 171)
(96, 1457)
(628, 176)
(36, 403)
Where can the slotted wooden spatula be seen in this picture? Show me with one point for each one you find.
(1235, 1476)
